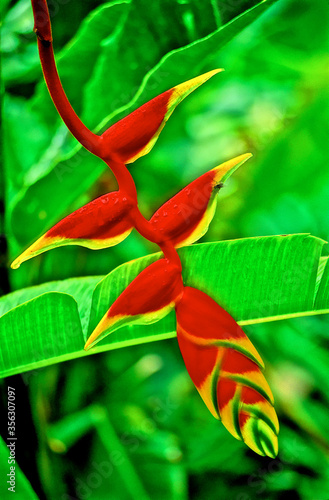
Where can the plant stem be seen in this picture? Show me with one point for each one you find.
(145, 228)
(123, 176)
(142, 225)
(42, 27)
(92, 142)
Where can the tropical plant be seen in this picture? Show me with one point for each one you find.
(244, 276)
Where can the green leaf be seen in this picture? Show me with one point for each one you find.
(66, 432)
(175, 66)
(40, 332)
(79, 288)
(23, 131)
(130, 479)
(321, 298)
(161, 28)
(286, 343)
(255, 279)
(234, 274)
(18, 49)
(22, 489)
(296, 197)
(72, 174)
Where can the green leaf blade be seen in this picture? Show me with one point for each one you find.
(256, 279)
(40, 332)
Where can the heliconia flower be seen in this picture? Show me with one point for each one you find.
(102, 223)
(226, 370)
(185, 218)
(148, 298)
(135, 135)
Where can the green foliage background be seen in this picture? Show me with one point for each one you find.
(128, 423)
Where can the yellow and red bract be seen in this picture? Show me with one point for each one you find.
(135, 135)
(226, 369)
(148, 298)
(102, 223)
(185, 218)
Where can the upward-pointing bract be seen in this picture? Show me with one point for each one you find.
(185, 218)
(135, 135)
(148, 298)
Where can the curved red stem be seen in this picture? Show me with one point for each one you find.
(141, 224)
(42, 28)
(92, 142)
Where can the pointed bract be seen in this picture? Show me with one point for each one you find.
(102, 223)
(185, 218)
(225, 368)
(148, 298)
(135, 135)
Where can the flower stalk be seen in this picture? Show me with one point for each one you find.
(223, 364)
(42, 28)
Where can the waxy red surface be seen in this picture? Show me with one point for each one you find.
(154, 288)
(222, 374)
(180, 215)
(201, 316)
(103, 218)
(199, 360)
(129, 136)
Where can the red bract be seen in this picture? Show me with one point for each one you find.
(135, 135)
(148, 298)
(226, 369)
(185, 218)
(102, 223)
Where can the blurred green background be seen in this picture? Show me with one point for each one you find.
(129, 423)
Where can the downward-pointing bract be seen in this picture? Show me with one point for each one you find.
(226, 369)
(102, 223)
(148, 298)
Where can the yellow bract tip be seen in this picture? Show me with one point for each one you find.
(38, 247)
(16, 263)
(93, 339)
(192, 84)
(179, 92)
(101, 330)
(225, 170)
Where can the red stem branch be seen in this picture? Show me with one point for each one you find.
(42, 27)
(92, 142)
(123, 176)
(141, 224)
(145, 228)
